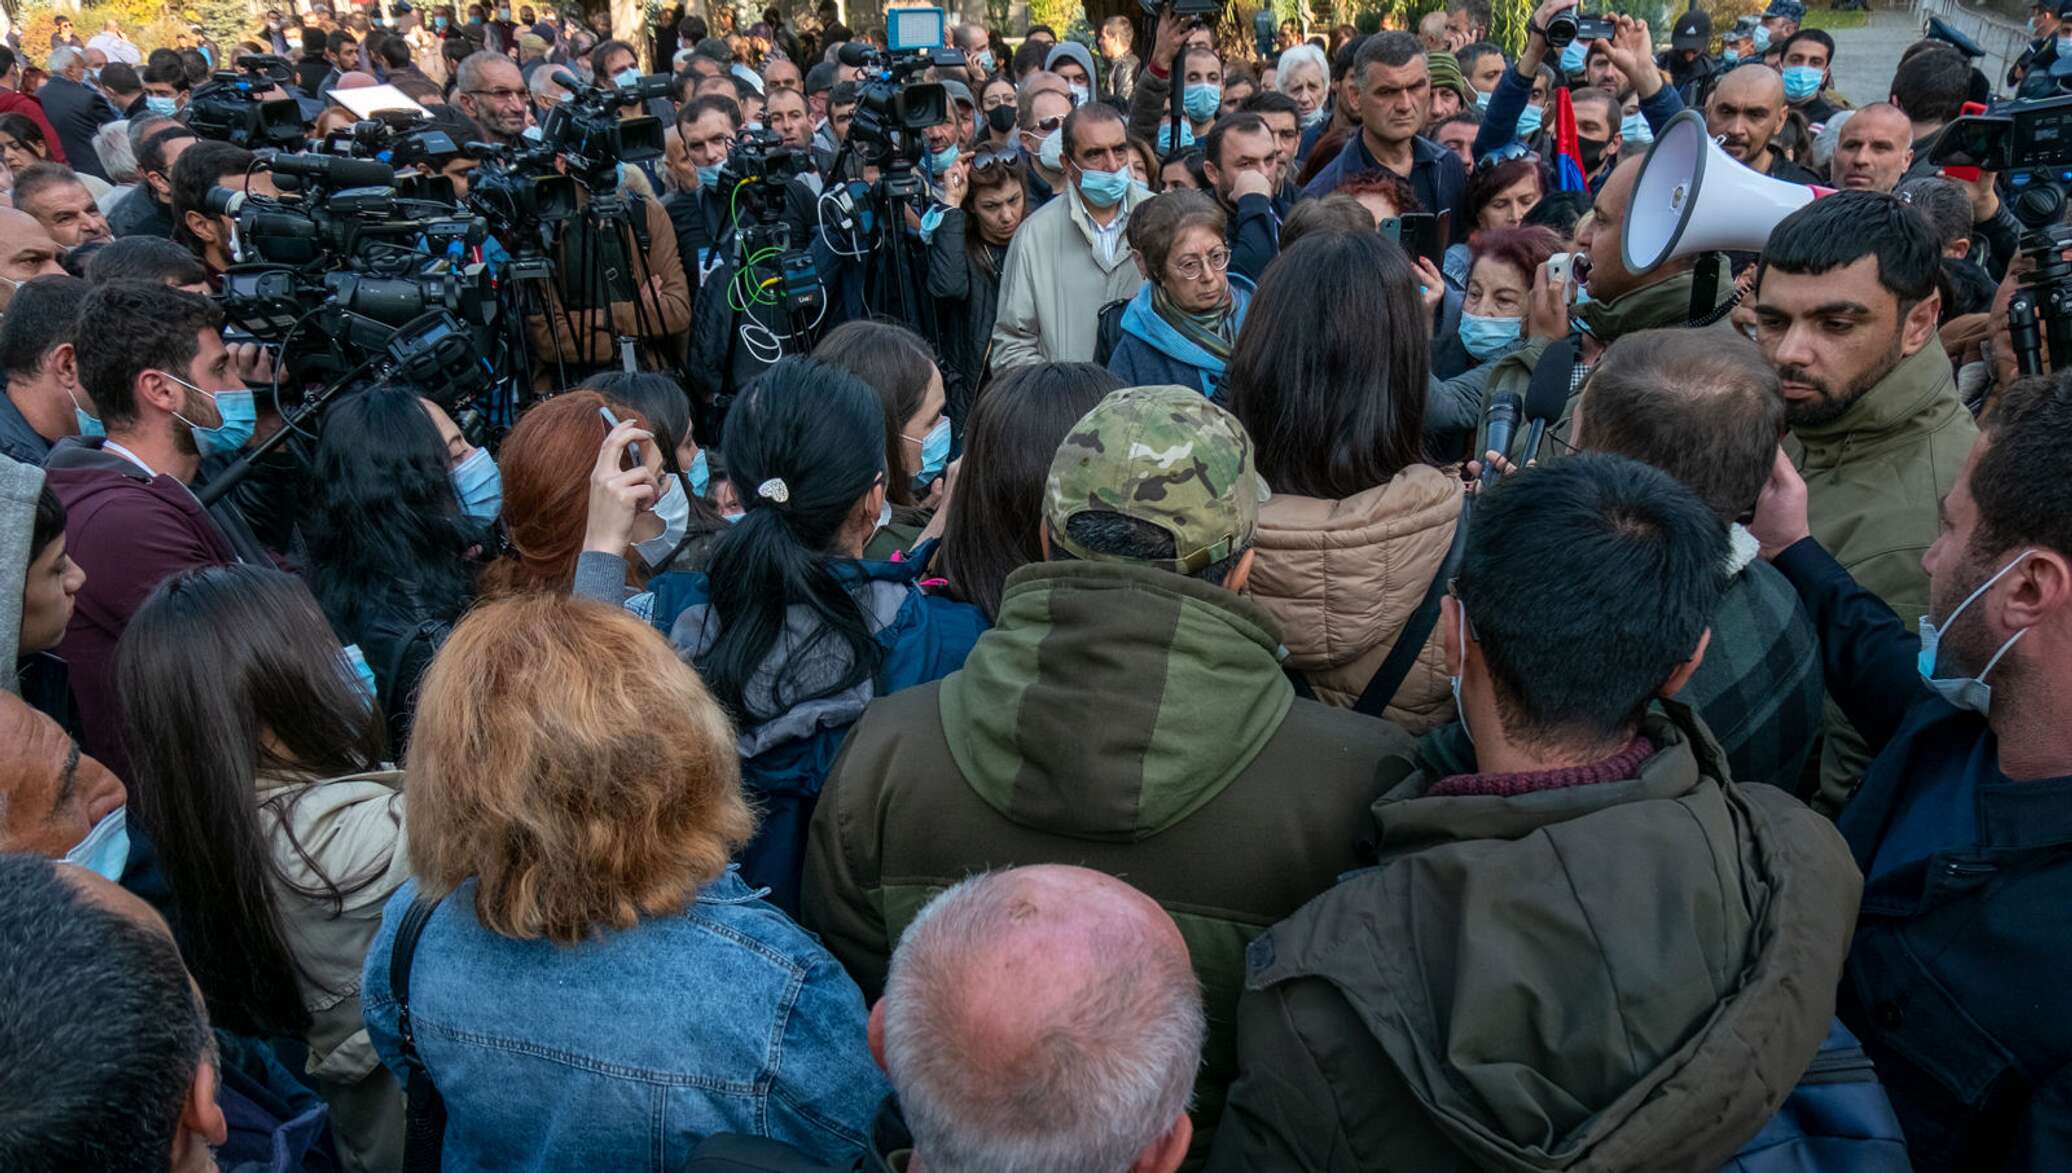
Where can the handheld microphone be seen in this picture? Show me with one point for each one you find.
(1547, 394)
(1500, 424)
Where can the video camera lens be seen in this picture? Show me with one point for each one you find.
(1561, 29)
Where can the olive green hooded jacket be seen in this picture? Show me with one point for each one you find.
(1625, 975)
(1119, 718)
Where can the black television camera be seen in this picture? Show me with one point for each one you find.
(890, 106)
(518, 188)
(1571, 25)
(2029, 145)
(230, 107)
(587, 132)
(757, 173)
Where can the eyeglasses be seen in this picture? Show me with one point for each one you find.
(1192, 268)
(1515, 149)
(500, 95)
(1050, 124)
(989, 158)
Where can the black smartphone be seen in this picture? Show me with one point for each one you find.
(632, 447)
(1422, 234)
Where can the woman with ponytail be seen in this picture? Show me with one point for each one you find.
(792, 630)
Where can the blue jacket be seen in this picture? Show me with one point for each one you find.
(785, 759)
(1514, 90)
(1154, 354)
(1436, 175)
(1956, 974)
(625, 1051)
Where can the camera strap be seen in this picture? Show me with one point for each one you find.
(424, 1130)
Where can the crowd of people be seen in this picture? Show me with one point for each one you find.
(1142, 709)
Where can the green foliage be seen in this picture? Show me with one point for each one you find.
(1058, 14)
(1828, 18)
(150, 23)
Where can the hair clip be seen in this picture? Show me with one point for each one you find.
(775, 489)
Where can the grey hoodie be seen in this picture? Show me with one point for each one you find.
(20, 485)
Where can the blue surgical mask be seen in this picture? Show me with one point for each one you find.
(161, 105)
(105, 850)
(1052, 154)
(1315, 117)
(1800, 82)
(674, 508)
(701, 475)
(479, 487)
(357, 671)
(439, 22)
(1079, 93)
(1529, 121)
(1105, 189)
(1730, 55)
(935, 452)
(1964, 692)
(1485, 338)
(983, 62)
(626, 77)
(1635, 130)
(1482, 99)
(1165, 137)
(1762, 38)
(1201, 100)
(2065, 48)
(708, 175)
(1574, 57)
(88, 425)
(239, 415)
(940, 162)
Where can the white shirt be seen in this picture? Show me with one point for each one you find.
(1109, 238)
(117, 48)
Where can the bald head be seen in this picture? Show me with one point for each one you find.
(1874, 148)
(1746, 108)
(1043, 1017)
(26, 251)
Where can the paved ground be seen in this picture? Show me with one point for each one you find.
(1865, 57)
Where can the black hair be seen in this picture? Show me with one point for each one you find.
(1329, 374)
(1013, 433)
(1270, 102)
(383, 520)
(24, 130)
(100, 1027)
(228, 672)
(1237, 122)
(1190, 157)
(170, 73)
(312, 39)
(1816, 36)
(1118, 535)
(698, 108)
(145, 258)
(1847, 226)
(1342, 60)
(2020, 501)
(816, 429)
(43, 316)
(197, 66)
(339, 39)
(1081, 116)
(1559, 210)
(1392, 50)
(1707, 411)
(1587, 582)
(667, 408)
(151, 151)
(49, 523)
(8, 60)
(201, 167)
(128, 327)
(896, 364)
(1932, 86)
(1943, 203)
(603, 53)
(120, 77)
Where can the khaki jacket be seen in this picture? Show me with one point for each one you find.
(1055, 282)
(352, 828)
(1343, 576)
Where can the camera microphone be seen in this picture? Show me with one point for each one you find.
(854, 54)
(335, 170)
(567, 81)
(1547, 394)
(1501, 426)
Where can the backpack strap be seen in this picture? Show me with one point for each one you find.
(1417, 629)
(424, 1132)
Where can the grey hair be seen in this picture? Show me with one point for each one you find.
(1089, 1094)
(1829, 138)
(63, 57)
(1305, 54)
(539, 82)
(112, 145)
(468, 76)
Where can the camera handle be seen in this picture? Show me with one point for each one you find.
(215, 490)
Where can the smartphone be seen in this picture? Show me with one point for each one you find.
(1420, 234)
(632, 447)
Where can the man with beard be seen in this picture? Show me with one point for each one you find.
(492, 91)
(1954, 979)
(1846, 309)
(1745, 111)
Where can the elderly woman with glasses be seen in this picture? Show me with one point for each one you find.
(1182, 324)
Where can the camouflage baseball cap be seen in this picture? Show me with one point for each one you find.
(1162, 455)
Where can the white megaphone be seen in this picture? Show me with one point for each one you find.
(1693, 197)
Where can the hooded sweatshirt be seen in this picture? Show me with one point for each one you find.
(1121, 718)
(1152, 353)
(1628, 974)
(20, 485)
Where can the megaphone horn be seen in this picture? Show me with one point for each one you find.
(1693, 197)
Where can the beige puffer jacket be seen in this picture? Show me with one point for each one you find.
(1343, 576)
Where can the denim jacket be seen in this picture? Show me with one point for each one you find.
(624, 1051)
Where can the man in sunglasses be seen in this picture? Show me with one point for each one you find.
(1040, 121)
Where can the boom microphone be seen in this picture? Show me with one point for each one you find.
(1547, 394)
(1500, 425)
(335, 170)
(854, 54)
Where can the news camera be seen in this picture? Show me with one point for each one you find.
(1570, 25)
(588, 134)
(2029, 145)
(232, 106)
